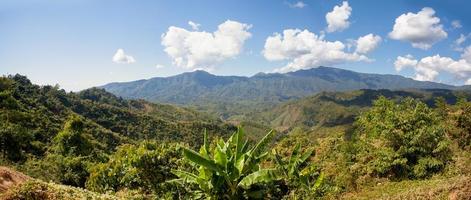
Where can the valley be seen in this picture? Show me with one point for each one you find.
(53, 135)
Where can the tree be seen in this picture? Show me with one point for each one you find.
(405, 139)
(461, 119)
(71, 140)
(71, 152)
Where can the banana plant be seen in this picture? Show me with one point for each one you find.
(230, 168)
(296, 172)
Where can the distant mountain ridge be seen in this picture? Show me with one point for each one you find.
(200, 87)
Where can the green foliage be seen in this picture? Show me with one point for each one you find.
(461, 117)
(142, 167)
(401, 140)
(44, 127)
(71, 140)
(230, 169)
(301, 177)
(105, 143)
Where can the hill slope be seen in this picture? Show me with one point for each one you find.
(31, 116)
(200, 87)
(329, 109)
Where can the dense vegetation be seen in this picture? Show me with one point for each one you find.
(54, 135)
(366, 144)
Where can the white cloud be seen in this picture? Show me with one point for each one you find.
(467, 54)
(298, 4)
(458, 42)
(367, 43)
(337, 19)
(461, 39)
(194, 26)
(200, 49)
(403, 62)
(456, 24)
(422, 29)
(121, 58)
(304, 49)
(159, 66)
(428, 68)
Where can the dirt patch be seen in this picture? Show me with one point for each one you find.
(10, 178)
(461, 191)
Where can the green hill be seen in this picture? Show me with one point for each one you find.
(32, 117)
(329, 109)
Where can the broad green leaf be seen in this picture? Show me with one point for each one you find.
(319, 181)
(220, 156)
(262, 144)
(200, 160)
(306, 155)
(260, 176)
(204, 150)
(300, 160)
(294, 156)
(239, 143)
(245, 146)
(240, 163)
(184, 176)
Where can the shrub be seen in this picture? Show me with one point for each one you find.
(143, 167)
(399, 140)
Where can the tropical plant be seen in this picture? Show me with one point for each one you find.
(297, 172)
(230, 170)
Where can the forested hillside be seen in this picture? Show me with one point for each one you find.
(329, 109)
(227, 96)
(46, 131)
(363, 144)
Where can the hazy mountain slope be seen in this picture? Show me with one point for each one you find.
(200, 87)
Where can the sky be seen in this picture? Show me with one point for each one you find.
(84, 43)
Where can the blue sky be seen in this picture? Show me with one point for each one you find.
(73, 42)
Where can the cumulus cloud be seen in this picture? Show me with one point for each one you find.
(456, 24)
(337, 19)
(403, 62)
(202, 50)
(428, 68)
(367, 43)
(298, 4)
(159, 66)
(194, 26)
(304, 49)
(421, 29)
(121, 58)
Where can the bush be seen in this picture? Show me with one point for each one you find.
(400, 140)
(462, 121)
(143, 167)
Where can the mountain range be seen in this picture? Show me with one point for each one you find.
(200, 86)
